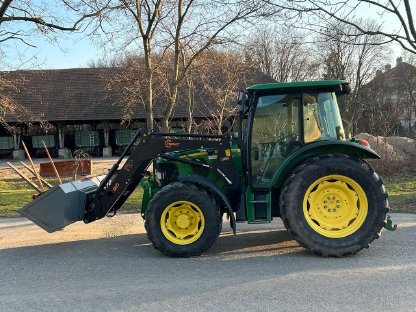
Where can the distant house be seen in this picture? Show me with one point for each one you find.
(389, 101)
(74, 100)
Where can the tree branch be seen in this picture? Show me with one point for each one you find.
(4, 7)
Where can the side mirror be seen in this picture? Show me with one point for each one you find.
(256, 155)
(242, 101)
(346, 88)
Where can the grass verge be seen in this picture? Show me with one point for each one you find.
(14, 194)
(402, 193)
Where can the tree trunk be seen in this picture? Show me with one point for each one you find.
(169, 108)
(149, 76)
(189, 107)
(149, 103)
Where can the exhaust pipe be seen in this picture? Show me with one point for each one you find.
(62, 205)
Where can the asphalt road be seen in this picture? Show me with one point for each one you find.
(109, 265)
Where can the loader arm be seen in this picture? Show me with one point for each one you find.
(92, 199)
(118, 185)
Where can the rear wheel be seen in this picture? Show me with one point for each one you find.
(182, 220)
(334, 205)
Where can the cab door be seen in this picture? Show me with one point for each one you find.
(276, 133)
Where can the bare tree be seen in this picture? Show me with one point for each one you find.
(409, 86)
(127, 86)
(8, 108)
(13, 116)
(199, 26)
(39, 16)
(282, 53)
(390, 102)
(20, 21)
(345, 11)
(353, 58)
(176, 30)
(220, 80)
(208, 89)
(383, 106)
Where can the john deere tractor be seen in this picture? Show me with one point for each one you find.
(288, 159)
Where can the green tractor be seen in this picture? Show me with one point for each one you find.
(289, 159)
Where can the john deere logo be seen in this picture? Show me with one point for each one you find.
(169, 143)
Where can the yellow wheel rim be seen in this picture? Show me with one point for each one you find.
(182, 222)
(335, 206)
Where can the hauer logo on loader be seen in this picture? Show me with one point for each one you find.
(169, 143)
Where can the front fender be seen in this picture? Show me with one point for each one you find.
(212, 188)
(316, 149)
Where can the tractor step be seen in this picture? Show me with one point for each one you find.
(258, 222)
(258, 206)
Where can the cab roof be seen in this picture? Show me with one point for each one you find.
(297, 85)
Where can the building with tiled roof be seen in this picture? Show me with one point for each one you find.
(79, 99)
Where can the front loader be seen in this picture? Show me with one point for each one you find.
(289, 159)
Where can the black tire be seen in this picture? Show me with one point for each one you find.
(296, 188)
(177, 192)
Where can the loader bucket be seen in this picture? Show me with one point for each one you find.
(61, 205)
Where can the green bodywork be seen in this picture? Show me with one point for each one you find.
(315, 149)
(150, 187)
(206, 156)
(260, 202)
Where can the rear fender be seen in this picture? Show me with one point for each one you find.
(213, 189)
(317, 149)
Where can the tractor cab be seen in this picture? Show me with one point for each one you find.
(279, 118)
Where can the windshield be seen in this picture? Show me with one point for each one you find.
(322, 120)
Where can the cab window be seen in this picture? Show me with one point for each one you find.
(322, 120)
(275, 128)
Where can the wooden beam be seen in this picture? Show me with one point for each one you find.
(33, 167)
(52, 163)
(31, 171)
(24, 177)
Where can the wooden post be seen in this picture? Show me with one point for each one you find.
(33, 167)
(52, 163)
(24, 177)
(31, 171)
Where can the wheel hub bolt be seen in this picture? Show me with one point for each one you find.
(338, 206)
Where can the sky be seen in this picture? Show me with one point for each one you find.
(76, 50)
(69, 53)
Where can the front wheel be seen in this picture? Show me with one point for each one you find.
(334, 205)
(182, 220)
